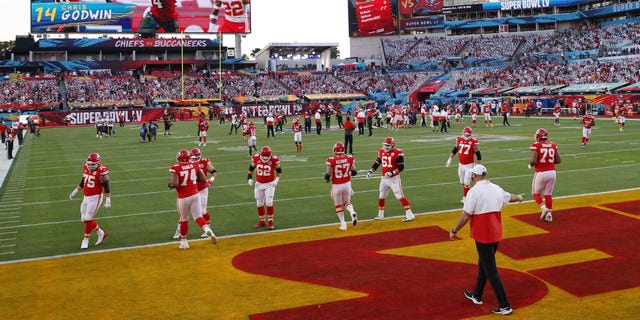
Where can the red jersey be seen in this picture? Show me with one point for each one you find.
(265, 171)
(251, 130)
(187, 178)
(389, 160)
(92, 185)
(203, 126)
(466, 149)
(340, 168)
(556, 109)
(296, 127)
(486, 109)
(473, 110)
(164, 10)
(203, 163)
(278, 118)
(546, 155)
(588, 121)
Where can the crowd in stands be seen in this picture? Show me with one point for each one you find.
(521, 67)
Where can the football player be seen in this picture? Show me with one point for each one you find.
(235, 18)
(466, 147)
(392, 161)
(161, 15)
(251, 142)
(185, 176)
(544, 157)
(203, 186)
(268, 172)
(95, 185)
(203, 127)
(296, 127)
(587, 122)
(340, 168)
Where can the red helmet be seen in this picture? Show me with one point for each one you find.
(92, 161)
(265, 154)
(250, 123)
(467, 131)
(541, 134)
(183, 156)
(195, 154)
(388, 144)
(338, 148)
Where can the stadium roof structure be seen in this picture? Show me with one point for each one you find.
(286, 49)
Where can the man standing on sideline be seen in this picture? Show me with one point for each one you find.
(483, 208)
(340, 168)
(349, 126)
(466, 147)
(185, 176)
(370, 121)
(268, 172)
(318, 119)
(270, 122)
(392, 161)
(307, 122)
(11, 137)
(3, 130)
(95, 184)
(544, 157)
(505, 114)
(361, 118)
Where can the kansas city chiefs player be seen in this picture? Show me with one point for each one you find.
(340, 168)
(392, 161)
(466, 147)
(268, 172)
(544, 157)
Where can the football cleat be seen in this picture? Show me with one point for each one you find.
(261, 224)
(85, 243)
(101, 236)
(380, 216)
(543, 211)
(549, 217)
(270, 225)
(176, 235)
(211, 235)
(184, 244)
(354, 218)
(343, 226)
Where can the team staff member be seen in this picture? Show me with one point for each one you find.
(482, 208)
(95, 184)
(349, 126)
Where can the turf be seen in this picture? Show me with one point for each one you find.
(37, 218)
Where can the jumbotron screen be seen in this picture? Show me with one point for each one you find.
(145, 17)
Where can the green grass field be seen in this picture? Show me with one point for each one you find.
(38, 220)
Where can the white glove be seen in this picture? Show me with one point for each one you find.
(107, 202)
(212, 179)
(369, 174)
(529, 166)
(448, 163)
(73, 194)
(275, 182)
(250, 182)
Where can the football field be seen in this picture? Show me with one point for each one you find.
(40, 228)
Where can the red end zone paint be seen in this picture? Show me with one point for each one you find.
(399, 287)
(632, 207)
(574, 230)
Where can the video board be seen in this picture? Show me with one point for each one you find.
(146, 17)
(372, 17)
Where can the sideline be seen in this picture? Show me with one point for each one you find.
(5, 163)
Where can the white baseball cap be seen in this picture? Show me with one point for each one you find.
(479, 170)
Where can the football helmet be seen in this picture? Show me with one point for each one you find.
(338, 148)
(588, 113)
(466, 133)
(265, 154)
(195, 154)
(388, 144)
(183, 156)
(250, 123)
(93, 160)
(541, 134)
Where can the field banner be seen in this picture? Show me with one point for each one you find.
(88, 117)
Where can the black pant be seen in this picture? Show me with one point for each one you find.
(487, 270)
(370, 126)
(270, 130)
(443, 126)
(307, 125)
(9, 149)
(361, 128)
(318, 127)
(505, 120)
(348, 143)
